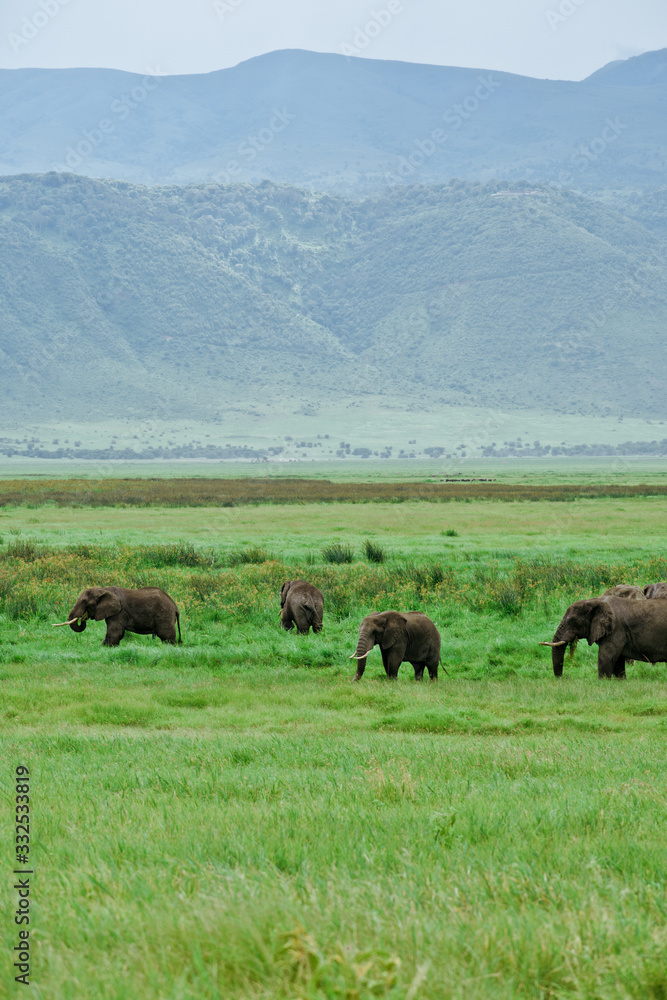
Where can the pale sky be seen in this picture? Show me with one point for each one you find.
(558, 39)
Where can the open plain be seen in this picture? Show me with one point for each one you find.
(233, 817)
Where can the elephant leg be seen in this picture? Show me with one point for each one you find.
(392, 663)
(433, 670)
(165, 629)
(361, 666)
(115, 632)
(419, 671)
(605, 665)
(302, 621)
(286, 621)
(619, 667)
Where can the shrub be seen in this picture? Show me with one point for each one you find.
(451, 533)
(338, 553)
(374, 553)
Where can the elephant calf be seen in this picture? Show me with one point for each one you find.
(655, 590)
(623, 630)
(302, 605)
(409, 636)
(147, 611)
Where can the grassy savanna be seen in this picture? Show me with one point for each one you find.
(234, 818)
(203, 492)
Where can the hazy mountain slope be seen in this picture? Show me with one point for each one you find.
(116, 298)
(333, 123)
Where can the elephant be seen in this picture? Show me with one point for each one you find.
(623, 630)
(654, 590)
(627, 591)
(147, 611)
(403, 636)
(302, 605)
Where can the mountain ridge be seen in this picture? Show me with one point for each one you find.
(348, 124)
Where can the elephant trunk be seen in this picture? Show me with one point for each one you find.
(560, 642)
(558, 659)
(77, 619)
(364, 645)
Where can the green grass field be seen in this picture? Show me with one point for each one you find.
(233, 818)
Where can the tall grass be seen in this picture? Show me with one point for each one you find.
(250, 556)
(44, 581)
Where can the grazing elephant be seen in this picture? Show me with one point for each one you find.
(302, 605)
(622, 629)
(147, 611)
(409, 636)
(656, 590)
(627, 591)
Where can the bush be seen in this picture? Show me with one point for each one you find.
(374, 553)
(338, 553)
(450, 533)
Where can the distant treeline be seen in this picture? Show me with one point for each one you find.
(230, 452)
(627, 449)
(231, 492)
(147, 454)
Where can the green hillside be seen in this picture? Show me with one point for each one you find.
(119, 299)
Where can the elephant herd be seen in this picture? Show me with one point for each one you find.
(410, 637)
(627, 622)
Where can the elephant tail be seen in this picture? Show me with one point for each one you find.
(178, 622)
(444, 668)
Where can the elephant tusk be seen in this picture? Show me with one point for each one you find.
(359, 656)
(563, 642)
(60, 624)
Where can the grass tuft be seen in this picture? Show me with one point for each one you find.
(374, 552)
(338, 552)
(249, 556)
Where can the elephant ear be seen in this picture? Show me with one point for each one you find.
(283, 593)
(107, 606)
(601, 622)
(394, 629)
